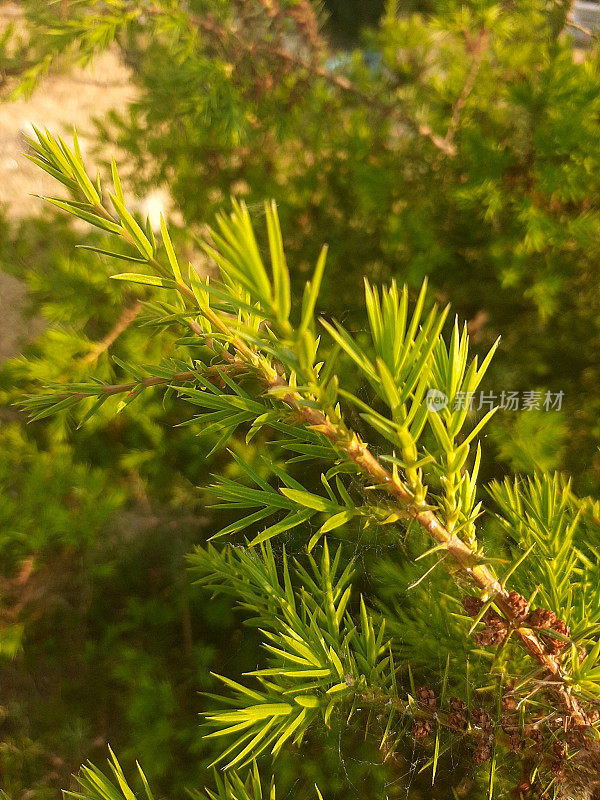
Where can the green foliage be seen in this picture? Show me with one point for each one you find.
(505, 226)
(33, 484)
(232, 787)
(318, 659)
(541, 518)
(469, 157)
(94, 785)
(95, 615)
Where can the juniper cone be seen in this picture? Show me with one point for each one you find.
(472, 605)
(457, 705)
(494, 633)
(557, 645)
(515, 742)
(482, 753)
(536, 737)
(458, 717)
(509, 724)
(561, 627)
(427, 698)
(559, 748)
(519, 606)
(481, 719)
(542, 618)
(457, 720)
(249, 359)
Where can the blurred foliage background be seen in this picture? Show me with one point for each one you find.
(454, 140)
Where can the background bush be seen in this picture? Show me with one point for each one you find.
(112, 644)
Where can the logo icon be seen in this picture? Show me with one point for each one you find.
(435, 400)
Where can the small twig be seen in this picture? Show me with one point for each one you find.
(342, 83)
(125, 320)
(478, 50)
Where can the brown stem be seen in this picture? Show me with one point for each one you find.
(121, 388)
(580, 28)
(212, 373)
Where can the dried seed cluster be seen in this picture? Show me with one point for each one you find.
(546, 619)
(482, 753)
(509, 724)
(420, 729)
(472, 605)
(555, 646)
(515, 742)
(427, 699)
(496, 628)
(541, 618)
(517, 735)
(482, 720)
(559, 748)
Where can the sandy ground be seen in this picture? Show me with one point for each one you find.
(12, 328)
(60, 102)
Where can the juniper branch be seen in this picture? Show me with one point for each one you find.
(244, 323)
(125, 388)
(348, 442)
